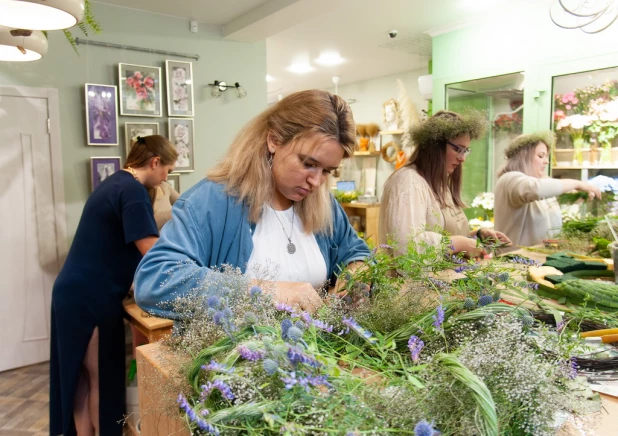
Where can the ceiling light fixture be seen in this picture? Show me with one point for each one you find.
(219, 87)
(588, 16)
(300, 68)
(17, 45)
(41, 14)
(329, 59)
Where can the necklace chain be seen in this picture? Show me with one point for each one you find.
(291, 247)
(134, 173)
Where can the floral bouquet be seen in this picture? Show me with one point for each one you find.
(508, 123)
(142, 89)
(574, 125)
(485, 201)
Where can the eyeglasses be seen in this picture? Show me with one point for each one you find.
(461, 151)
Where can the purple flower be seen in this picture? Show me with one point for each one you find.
(560, 326)
(349, 322)
(438, 283)
(221, 386)
(415, 344)
(217, 367)
(386, 247)
(296, 356)
(203, 425)
(456, 259)
(438, 318)
(214, 302)
(284, 308)
(322, 325)
(305, 316)
(484, 300)
(305, 382)
(533, 286)
(462, 268)
(572, 368)
(247, 354)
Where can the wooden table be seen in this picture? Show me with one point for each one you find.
(152, 327)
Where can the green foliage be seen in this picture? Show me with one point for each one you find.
(88, 22)
(346, 196)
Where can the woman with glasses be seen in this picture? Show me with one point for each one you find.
(424, 196)
(525, 206)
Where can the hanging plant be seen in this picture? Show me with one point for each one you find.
(87, 24)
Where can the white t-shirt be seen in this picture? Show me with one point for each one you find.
(270, 242)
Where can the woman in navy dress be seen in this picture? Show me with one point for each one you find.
(117, 227)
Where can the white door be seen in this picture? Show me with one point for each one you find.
(29, 232)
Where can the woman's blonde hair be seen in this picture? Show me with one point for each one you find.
(304, 115)
(145, 148)
(520, 152)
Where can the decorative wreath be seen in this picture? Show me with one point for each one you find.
(384, 151)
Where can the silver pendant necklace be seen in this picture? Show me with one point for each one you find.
(291, 247)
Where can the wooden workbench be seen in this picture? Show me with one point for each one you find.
(152, 327)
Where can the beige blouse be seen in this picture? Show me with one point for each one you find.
(409, 209)
(165, 199)
(526, 210)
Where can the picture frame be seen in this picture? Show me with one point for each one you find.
(101, 168)
(174, 181)
(179, 80)
(133, 130)
(140, 90)
(181, 134)
(391, 115)
(101, 114)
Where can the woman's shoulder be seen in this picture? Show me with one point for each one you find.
(509, 177)
(405, 179)
(207, 193)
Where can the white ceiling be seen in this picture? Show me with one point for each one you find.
(357, 29)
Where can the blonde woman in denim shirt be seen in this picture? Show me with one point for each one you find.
(266, 202)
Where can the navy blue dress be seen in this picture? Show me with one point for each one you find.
(88, 292)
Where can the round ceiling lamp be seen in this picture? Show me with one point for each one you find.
(17, 45)
(41, 14)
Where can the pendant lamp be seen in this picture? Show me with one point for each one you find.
(41, 14)
(18, 45)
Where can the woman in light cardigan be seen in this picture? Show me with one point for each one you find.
(525, 207)
(426, 193)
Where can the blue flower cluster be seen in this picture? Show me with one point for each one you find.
(524, 261)
(424, 428)
(484, 300)
(221, 314)
(416, 345)
(304, 381)
(202, 425)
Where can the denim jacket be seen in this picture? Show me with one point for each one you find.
(210, 228)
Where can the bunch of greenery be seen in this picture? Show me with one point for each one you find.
(416, 354)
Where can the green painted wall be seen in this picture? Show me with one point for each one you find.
(216, 120)
(526, 41)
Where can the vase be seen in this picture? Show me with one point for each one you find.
(578, 145)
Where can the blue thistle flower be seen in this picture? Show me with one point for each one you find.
(214, 302)
(270, 366)
(300, 326)
(227, 312)
(285, 326)
(469, 303)
(503, 277)
(438, 318)
(485, 300)
(255, 292)
(527, 320)
(219, 318)
(294, 334)
(423, 428)
(251, 318)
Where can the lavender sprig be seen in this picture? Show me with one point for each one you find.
(416, 345)
(202, 425)
(217, 367)
(221, 386)
(296, 356)
(349, 322)
(247, 354)
(438, 318)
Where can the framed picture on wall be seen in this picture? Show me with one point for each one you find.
(174, 181)
(133, 130)
(140, 90)
(101, 168)
(181, 135)
(179, 88)
(101, 114)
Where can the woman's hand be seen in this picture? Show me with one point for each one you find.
(463, 244)
(592, 191)
(494, 236)
(299, 295)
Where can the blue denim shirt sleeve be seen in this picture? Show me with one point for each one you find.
(344, 246)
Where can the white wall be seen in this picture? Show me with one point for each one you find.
(369, 96)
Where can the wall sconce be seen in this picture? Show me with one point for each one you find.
(219, 87)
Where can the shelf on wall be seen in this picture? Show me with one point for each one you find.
(366, 153)
(360, 205)
(391, 132)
